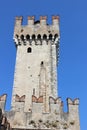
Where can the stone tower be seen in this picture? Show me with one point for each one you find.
(36, 61)
(35, 102)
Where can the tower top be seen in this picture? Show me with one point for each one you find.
(39, 29)
(19, 20)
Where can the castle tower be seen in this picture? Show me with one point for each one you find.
(35, 103)
(36, 61)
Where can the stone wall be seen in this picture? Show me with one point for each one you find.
(36, 119)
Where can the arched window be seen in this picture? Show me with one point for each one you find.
(50, 37)
(16, 36)
(55, 36)
(39, 37)
(27, 37)
(44, 37)
(33, 37)
(29, 50)
(22, 37)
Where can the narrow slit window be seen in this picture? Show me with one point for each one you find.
(42, 63)
(34, 91)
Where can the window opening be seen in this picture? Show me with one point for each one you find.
(16, 36)
(39, 37)
(33, 91)
(55, 36)
(33, 37)
(29, 50)
(45, 37)
(50, 37)
(22, 37)
(42, 63)
(27, 37)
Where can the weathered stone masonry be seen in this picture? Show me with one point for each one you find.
(35, 102)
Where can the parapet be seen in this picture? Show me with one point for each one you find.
(36, 30)
(43, 20)
(18, 21)
(72, 105)
(72, 102)
(31, 20)
(56, 118)
(55, 20)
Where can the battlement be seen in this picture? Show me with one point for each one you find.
(36, 30)
(39, 100)
(72, 102)
(31, 20)
(56, 118)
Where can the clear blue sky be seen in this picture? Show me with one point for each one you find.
(72, 68)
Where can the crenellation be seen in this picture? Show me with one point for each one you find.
(37, 100)
(31, 20)
(18, 21)
(43, 20)
(55, 20)
(73, 106)
(73, 113)
(73, 102)
(36, 27)
(56, 117)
